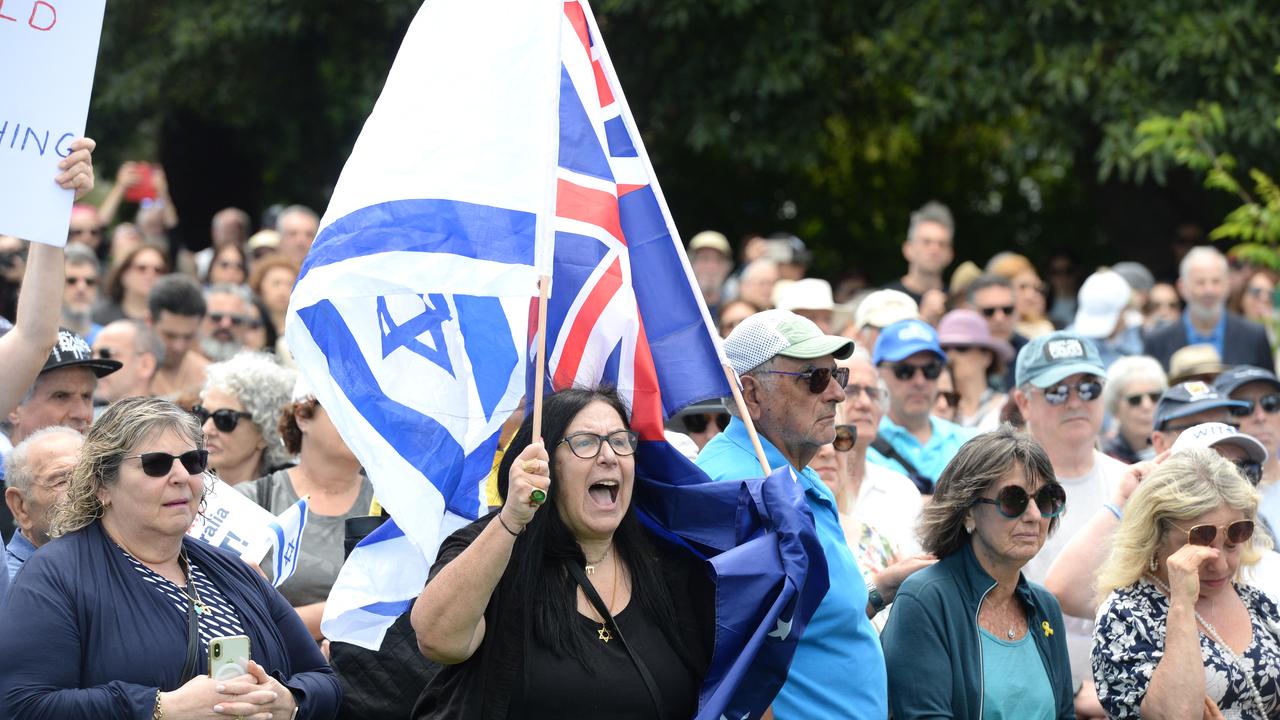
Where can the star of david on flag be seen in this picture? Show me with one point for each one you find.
(482, 167)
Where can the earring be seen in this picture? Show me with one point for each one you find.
(969, 524)
(1153, 564)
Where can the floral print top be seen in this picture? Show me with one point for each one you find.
(1128, 644)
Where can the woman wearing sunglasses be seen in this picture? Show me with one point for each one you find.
(240, 410)
(974, 357)
(561, 604)
(1132, 391)
(1178, 635)
(991, 643)
(114, 617)
(327, 472)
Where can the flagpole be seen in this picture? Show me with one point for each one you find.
(746, 417)
(544, 284)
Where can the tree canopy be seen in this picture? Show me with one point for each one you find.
(830, 120)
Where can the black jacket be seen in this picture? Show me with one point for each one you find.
(1244, 343)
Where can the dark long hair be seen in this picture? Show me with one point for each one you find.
(536, 579)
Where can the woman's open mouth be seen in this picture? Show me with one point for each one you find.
(604, 493)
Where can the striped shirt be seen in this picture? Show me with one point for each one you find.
(219, 618)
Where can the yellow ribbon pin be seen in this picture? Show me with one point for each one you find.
(1048, 631)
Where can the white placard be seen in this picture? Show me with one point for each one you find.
(234, 523)
(49, 49)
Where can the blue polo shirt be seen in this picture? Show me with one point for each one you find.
(931, 458)
(1217, 338)
(838, 670)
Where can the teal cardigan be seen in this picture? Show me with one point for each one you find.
(933, 651)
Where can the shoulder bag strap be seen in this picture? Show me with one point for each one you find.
(193, 642)
(594, 598)
(882, 446)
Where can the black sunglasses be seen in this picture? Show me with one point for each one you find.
(906, 371)
(1237, 532)
(846, 436)
(1136, 399)
(818, 378)
(1270, 405)
(235, 320)
(158, 464)
(1088, 390)
(1012, 501)
(991, 311)
(1251, 469)
(225, 419)
(698, 422)
(952, 399)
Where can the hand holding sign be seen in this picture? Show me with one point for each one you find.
(44, 110)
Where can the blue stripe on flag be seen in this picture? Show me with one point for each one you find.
(620, 145)
(388, 609)
(482, 232)
(422, 442)
(683, 351)
(487, 340)
(580, 149)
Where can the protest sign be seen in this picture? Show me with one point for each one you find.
(51, 46)
(233, 522)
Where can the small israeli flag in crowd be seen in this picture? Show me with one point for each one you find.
(286, 537)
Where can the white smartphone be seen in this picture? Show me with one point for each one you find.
(228, 657)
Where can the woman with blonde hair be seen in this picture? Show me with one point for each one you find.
(1178, 634)
(115, 616)
(1030, 294)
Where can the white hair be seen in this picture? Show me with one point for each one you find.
(18, 470)
(1124, 371)
(1198, 253)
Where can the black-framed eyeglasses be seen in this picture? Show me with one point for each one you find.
(1237, 532)
(846, 437)
(1250, 469)
(158, 464)
(1012, 500)
(818, 378)
(1087, 390)
(224, 419)
(587, 445)
(1270, 405)
(905, 370)
(699, 422)
(991, 311)
(1135, 399)
(86, 281)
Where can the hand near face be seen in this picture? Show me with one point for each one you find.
(1134, 475)
(1184, 571)
(530, 471)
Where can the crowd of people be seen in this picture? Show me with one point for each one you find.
(1033, 498)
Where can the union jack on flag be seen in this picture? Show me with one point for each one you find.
(624, 308)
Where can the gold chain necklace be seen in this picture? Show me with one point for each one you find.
(190, 590)
(603, 633)
(590, 567)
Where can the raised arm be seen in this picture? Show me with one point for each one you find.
(24, 348)
(449, 614)
(1071, 578)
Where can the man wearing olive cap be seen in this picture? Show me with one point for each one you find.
(791, 385)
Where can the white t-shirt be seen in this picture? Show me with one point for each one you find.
(1085, 495)
(890, 503)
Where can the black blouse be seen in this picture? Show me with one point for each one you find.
(512, 675)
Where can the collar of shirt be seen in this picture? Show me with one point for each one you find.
(813, 485)
(1215, 338)
(894, 432)
(19, 546)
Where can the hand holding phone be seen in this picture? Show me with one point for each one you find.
(229, 657)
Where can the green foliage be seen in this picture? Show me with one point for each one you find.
(830, 119)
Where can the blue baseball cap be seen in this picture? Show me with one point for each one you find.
(905, 338)
(1189, 398)
(1052, 358)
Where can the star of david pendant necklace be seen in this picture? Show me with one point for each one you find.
(603, 633)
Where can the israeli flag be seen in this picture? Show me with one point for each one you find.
(409, 319)
(286, 536)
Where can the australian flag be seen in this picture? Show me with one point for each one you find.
(483, 166)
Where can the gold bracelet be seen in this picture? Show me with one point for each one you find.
(158, 712)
